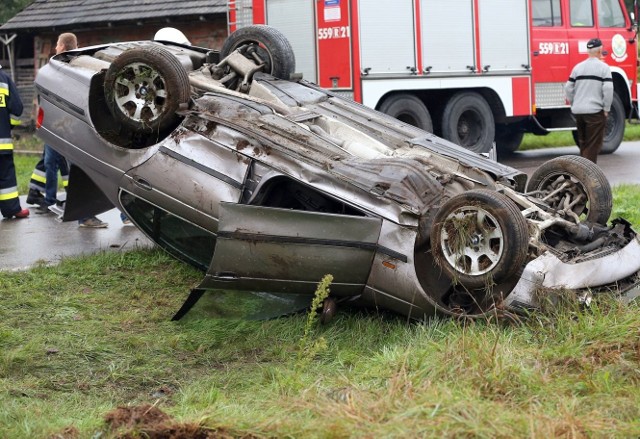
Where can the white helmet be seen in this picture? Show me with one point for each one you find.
(171, 34)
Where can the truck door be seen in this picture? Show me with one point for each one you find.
(387, 37)
(458, 53)
(613, 31)
(295, 19)
(582, 27)
(334, 44)
(550, 51)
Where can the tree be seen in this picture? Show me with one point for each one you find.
(10, 8)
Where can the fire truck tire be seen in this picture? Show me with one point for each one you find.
(468, 121)
(574, 181)
(508, 138)
(272, 47)
(479, 237)
(408, 109)
(614, 132)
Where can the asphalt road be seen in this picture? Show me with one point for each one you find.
(620, 167)
(42, 239)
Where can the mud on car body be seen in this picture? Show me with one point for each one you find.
(267, 183)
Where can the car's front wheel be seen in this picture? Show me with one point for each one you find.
(479, 238)
(144, 87)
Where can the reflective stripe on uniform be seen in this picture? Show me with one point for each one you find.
(65, 181)
(8, 193)
(39, 176)
(6, 144)
(15, 120)
(4, 88)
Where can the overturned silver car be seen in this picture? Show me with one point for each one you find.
(268, 184)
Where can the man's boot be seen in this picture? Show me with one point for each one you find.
(35, 197)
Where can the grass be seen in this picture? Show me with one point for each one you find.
(93, 333)
(79, 339)
(564, 138)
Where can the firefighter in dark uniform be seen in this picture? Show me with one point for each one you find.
(10, 110)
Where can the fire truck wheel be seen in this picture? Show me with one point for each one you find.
(508, 138)
(479, 237)
(614, 132)
(575, 182)
(468, 121)
(408, 109)
(270, 45)
(144, 87)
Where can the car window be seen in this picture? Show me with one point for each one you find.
(610, 14)
(546, 13)
(179, 237)
(581, 12)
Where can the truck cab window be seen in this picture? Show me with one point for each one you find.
(610, 14)
(581, 12)
(546, 13)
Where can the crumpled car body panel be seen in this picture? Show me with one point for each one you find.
(266, 190)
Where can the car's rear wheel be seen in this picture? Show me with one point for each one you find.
(144, 87)
(479, 238)
(264, 44)
(573, 185)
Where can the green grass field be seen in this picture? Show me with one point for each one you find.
(92, 334)
(80, 339)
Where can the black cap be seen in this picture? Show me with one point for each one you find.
(594, 42)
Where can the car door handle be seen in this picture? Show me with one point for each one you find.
(144, 184)
(226, 276)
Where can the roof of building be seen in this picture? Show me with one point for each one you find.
(57, 14)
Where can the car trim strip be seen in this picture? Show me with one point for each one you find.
(212, 172)
(53, 98)
(302, 240)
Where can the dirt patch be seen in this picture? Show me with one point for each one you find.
(148, 421)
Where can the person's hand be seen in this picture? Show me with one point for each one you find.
(606, 114)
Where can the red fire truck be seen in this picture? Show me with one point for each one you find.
(471, 71)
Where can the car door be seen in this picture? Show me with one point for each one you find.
(284, 250)
(189, 176)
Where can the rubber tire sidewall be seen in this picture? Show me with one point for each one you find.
(508, 139)
(173, 73)
(403, 106)
(613, 136)
(283, 61)
(453, 111)
(515, 235)
(590, 176)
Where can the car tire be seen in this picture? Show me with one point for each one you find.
(408, 109)
(614, 131)
(272, 47)
(582, 178)
(479, 238)
(467, 120)
(508, 138)
(160, 75)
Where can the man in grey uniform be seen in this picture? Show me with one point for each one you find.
(589, 90)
